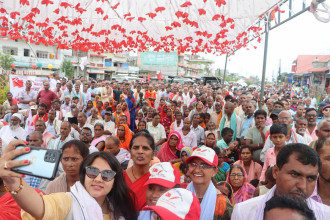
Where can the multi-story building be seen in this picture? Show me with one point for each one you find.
(28, 56)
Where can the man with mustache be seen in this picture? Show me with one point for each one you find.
(300, 125)
(311, 116)
(296, 171)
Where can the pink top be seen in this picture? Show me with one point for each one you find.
(254, 170)
(270, 159)
(313, 134)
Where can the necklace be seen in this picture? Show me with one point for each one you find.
(133, 173)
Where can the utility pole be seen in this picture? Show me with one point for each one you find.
(224, 73)
(264, 64)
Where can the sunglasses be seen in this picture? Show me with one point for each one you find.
(93, 172)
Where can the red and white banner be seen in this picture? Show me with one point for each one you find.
(17, 83)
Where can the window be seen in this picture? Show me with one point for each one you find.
(108, 62)
(42, 54)
(26, 52)
(10, 50)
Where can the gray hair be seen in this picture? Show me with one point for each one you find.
(115, 140)
(321, 123)
(285, 111)
(37, 133)
(254, 103)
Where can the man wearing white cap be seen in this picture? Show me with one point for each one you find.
(202, 166)
(12, 131)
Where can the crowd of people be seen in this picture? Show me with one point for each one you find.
(158, 150)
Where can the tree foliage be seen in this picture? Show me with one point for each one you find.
(67, 68)
(6, 60)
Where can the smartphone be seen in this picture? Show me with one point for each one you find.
(43, 162)
(73, 120)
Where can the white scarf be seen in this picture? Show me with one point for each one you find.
(84, 206)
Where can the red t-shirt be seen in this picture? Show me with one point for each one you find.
(47, 98)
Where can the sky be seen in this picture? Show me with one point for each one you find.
(303, 35)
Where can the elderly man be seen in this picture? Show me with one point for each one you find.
(300, 128)
(322, 130)
(123, 156)
(65, 136)
(217, 114)
(296, 171)
(53, 125)
(47, 137)
(285, 118)
(239, 109)
(78, 93)
(210, 106)
(248, 119)
(230, 120)
(189, 138)
(69, 90)
(94, 118)
(46, 96)
(13, 131)
(157, 130)
(13, 110)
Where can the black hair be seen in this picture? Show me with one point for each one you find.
(149, 138)
(228, 98)
(247, 147)
(260, 112)
(155, 114)
(201, 115)
(320, 144)
(79, 145)
(234, 100)
(178, 112)
(87, 128)
(226, 131)
(230, 189)
(279, 103)
(74, 98)
(279, 129)
(305, 155)
(57, 100)
(145, 123)
(207, 115)
(254, 182)
(123, 116)
(120, 196)
(42, 105)
(288, 202)
(310, 109)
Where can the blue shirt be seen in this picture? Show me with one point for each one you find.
(246, 124)
(95, 91)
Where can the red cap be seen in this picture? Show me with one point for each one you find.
(206, 154)
(164, 174)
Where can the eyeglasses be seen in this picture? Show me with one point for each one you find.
(201, 166)
(311, 115)
(93, 172)
(85, 134)
(236, 174)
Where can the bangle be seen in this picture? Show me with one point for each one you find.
(20, 187)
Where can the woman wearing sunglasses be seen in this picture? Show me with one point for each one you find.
(202, 166)
(100, 194)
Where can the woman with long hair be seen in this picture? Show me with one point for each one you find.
(88, 108)
(100, 193)
(73, 153)
(170, 150)
(142, 149)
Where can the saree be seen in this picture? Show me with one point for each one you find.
(165, 154)
(148, 95)
(116, 116)
(97, 98)
(254, 170)
(245, 192)
(9, 208)
(128, 138)
(131, 107)
(139, 190)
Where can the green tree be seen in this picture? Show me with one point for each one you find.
(6, 60)
(67, 68)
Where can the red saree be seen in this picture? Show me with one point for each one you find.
(139, 190)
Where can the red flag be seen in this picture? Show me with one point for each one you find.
(144, 79)
(148, 77)
(159, 75)
(163, 77)
(18, 82)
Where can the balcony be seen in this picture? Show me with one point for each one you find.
(122, 70)
(27, 62)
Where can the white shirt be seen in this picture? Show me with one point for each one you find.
(92, 149)
(110, 126)
(7, 135)
(158, 132)
(249, 209)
